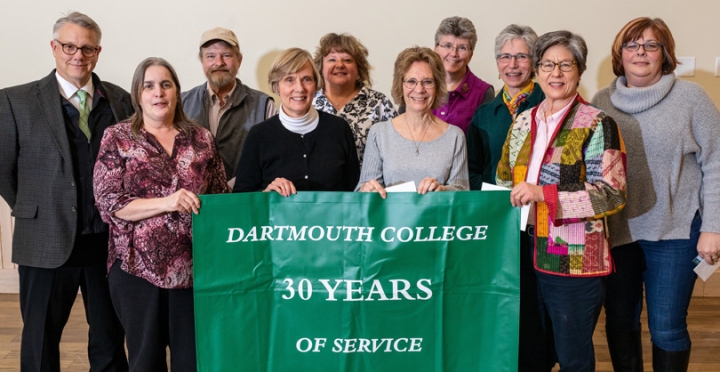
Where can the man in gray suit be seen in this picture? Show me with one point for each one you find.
(224, 105)
(50, 132)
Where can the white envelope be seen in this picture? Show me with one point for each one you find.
(403, 187)
(704, 269)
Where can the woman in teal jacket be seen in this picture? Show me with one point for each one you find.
(492, 120)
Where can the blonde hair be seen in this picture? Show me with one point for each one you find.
(419, 54)
(290, 61)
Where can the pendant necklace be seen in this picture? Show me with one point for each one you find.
(416, 143)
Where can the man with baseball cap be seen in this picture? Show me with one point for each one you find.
(224, 105)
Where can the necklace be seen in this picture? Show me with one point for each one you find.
(417, 145)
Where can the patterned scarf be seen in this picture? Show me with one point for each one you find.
(513, 103)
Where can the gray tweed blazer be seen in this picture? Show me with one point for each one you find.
(37, 178)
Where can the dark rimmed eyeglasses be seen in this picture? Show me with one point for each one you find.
(507, 57)
(549, 66)
(71, 49)
(651, 46)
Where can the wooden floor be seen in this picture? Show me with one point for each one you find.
(704, 321)
(704, 327)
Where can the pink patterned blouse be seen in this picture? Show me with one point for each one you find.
(159, 248)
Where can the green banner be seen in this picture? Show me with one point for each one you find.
(323, 281)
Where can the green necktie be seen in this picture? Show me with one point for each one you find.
(84, 111)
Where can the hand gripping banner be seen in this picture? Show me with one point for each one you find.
(323, 281)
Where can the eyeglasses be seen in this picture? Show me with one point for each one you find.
(648, 47)
(461, 49)
(549, 66)
(507, 57)
(71, 49)
(412, 83)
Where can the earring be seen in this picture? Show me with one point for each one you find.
(499, 77)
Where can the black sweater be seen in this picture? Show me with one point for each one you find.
(322, 160)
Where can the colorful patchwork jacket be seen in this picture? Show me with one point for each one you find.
(583, 180)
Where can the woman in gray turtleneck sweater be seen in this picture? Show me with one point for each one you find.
(670, 128)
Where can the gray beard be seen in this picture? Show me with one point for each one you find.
(220, 80)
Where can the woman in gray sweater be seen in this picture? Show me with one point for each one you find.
(416, 146)
(672, 214)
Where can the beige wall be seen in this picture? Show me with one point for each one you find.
(136, 29)
(8, 271)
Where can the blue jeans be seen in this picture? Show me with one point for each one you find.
(669, 282)
(574, 305)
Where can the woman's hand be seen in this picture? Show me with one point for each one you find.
(525, 193)
(182, 201)
(283, 187)
(429, 184)
(374, 186)
(709, 247)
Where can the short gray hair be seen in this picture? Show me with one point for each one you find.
(573, 42)
(79, 19)
(512, 32)
(458, 27)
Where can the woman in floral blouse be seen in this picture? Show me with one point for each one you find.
(149, 172)
(342, 61)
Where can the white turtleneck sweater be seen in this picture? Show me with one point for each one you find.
(301, 125)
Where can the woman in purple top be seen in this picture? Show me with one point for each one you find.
(455, 41)
(148, 174)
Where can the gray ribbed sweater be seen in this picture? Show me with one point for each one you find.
(390, 158)
(672, 136)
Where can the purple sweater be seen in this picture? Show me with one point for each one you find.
(463, 101)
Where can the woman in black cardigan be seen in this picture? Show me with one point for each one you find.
(300, 148)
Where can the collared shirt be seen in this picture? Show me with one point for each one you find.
(545, 131)
(216, 110)
(69, 91)
(464, 101)
(158, 248)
